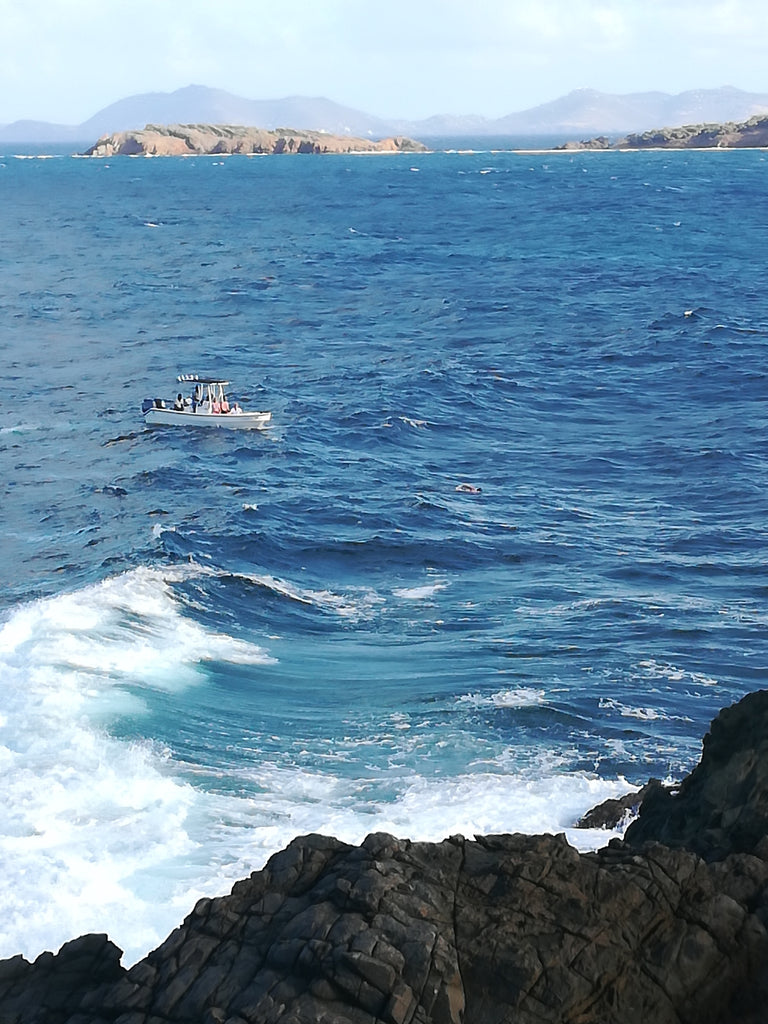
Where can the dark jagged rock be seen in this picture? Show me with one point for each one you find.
(614, 812)
(495, 929)
(722, 806)
(51, 989)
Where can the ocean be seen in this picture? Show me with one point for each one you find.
(500, 556)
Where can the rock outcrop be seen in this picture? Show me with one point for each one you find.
(618, 812)
(721, 808)
(600, 142)
(495, 929)
(744, 135)
(214, 140)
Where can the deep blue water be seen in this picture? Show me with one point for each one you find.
(212, 642)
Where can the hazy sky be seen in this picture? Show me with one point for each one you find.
(63, 60)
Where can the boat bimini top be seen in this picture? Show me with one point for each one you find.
(194, 378)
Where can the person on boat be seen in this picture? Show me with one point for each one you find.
(178, 405)
(216, 406)
(224, 404)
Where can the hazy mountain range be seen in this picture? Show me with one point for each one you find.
(581, 113)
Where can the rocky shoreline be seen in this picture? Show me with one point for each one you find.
(667, 925)
(226, 140)
(749, 134)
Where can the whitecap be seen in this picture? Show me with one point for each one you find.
(355, 604)
(94, 827)
(665, 670)
(524, 696)
(645, 714)
(20, 428)
(99, 834)
(419, 593)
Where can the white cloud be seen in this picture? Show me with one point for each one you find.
(65, 59)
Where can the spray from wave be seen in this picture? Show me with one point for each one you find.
(107, 833)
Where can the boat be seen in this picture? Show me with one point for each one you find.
(206, 406)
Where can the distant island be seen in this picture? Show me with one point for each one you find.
(217, 139)
(751, 134)
(225, 140)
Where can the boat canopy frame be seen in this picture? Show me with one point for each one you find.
(194, 378)
(207, 389)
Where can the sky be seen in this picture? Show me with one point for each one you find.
(64, 60)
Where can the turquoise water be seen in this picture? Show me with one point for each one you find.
(501, 554)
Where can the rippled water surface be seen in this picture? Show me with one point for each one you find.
(501, 554)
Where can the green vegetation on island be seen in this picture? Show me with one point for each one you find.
(216, 139)
(751, 134)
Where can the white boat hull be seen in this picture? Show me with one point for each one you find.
(227, 420)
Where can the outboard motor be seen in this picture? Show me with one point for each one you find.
(146, 405)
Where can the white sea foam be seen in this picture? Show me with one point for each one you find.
(356, 604)
(20, 428)
(663, 670)
(488, 803)
(644, 713)
(524, 696)
(295, 802)
(568, 607)
(127, 626)
(84, 813)
(103, 834)
(419, 593)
